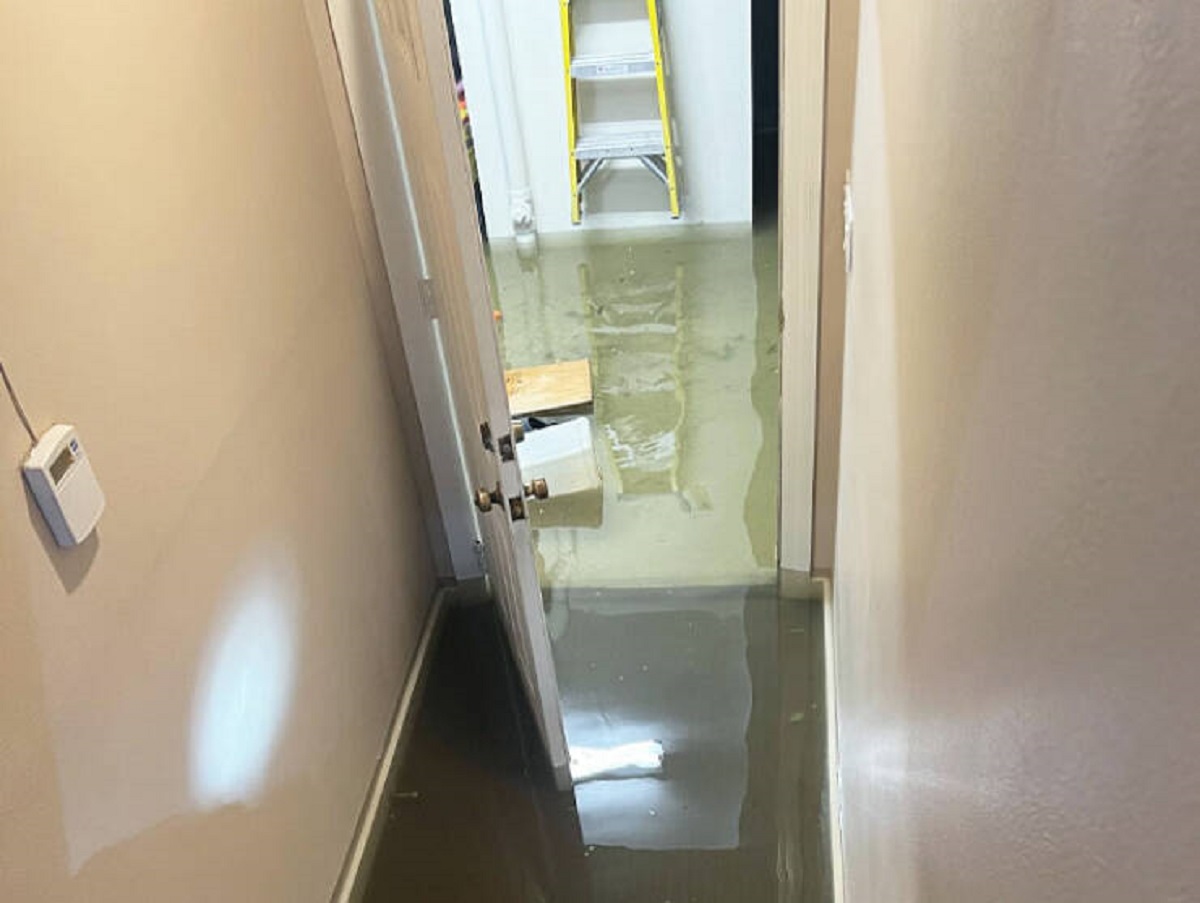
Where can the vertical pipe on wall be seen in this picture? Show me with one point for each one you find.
(497, 46)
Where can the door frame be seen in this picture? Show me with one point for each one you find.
(803, 90)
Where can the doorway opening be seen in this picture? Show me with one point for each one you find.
(637, 296)
(642, 348)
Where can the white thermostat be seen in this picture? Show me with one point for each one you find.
(61, 478)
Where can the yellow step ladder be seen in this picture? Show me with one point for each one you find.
(591, 144)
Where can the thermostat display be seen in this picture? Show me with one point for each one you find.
(62, 464)
(61, 478)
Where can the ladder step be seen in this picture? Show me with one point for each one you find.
(614, 140)
(599, 66)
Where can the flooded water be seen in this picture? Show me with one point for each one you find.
(692, 695)
(682, 332)
(696, 724)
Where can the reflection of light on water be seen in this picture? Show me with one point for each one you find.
(628, 760)
(670, 665)
(243, 693)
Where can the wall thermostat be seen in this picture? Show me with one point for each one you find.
(61, 478)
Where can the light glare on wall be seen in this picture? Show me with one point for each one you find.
(244, 692)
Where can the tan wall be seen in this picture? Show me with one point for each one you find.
(1016, 587)
(841, 61)
(193, 701)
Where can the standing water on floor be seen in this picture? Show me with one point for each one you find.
(681, 329)
(692, 695)
(697, 723)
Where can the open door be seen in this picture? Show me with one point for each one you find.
(413, 46)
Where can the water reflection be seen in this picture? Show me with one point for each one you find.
(695, 776)
(681, 329)
(608, 763)
(672, 666)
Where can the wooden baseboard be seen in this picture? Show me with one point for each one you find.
(356, 869)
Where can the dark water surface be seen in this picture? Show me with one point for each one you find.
(696, 722)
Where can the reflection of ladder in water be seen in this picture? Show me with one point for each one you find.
(639, 378)
(591, 144)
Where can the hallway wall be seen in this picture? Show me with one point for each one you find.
(1019, 514)
(194, 700)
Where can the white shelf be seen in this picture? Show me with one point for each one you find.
(614, 140)
(601, 66)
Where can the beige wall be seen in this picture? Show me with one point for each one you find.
(841, 61)
(193, 701)
(1016, 587)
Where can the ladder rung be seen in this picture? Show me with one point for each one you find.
(592, 67)
(615, 140)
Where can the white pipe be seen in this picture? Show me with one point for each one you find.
(498, 48)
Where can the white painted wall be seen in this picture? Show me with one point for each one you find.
(708, 48)
(1016, 583)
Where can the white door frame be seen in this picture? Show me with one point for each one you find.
(802, 80)
(381, 151)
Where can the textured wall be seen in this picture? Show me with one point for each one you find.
(193, 701)
(1016, 602)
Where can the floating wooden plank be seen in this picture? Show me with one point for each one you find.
(550, 389)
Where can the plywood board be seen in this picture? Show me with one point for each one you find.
(550, 388)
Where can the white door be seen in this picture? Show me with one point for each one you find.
(415, 49)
